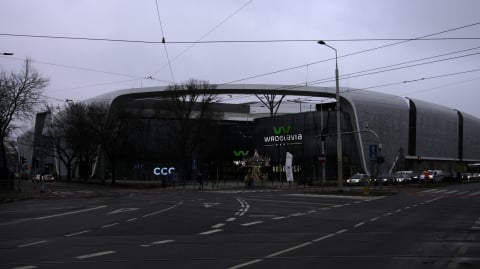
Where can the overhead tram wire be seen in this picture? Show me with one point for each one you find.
(164, 44)
(354, 53)
(235, 41)
(199, 41)
(85, 69)
(378, 70)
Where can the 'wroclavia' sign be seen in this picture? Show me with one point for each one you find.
(283, 135)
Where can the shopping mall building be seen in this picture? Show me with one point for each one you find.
(380, 133)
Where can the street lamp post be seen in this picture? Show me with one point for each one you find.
(339, 135)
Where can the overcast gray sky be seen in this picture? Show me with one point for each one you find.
(80, 69)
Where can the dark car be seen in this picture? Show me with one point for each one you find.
(359, 180)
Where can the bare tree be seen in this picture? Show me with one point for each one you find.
(191, 105)
(271, 103)
(20, 96)
(60, 130)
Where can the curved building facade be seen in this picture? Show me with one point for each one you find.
(381, 133)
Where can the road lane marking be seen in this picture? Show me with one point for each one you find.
(130, 220)
(82, 257)
(25, 267)
(211, 232)
(109, 225)
(359, 224)
(32, 244)
(429, 201)
(289, 249)
(123, 210)
(451, 192)
(78, 233)
(158, 243)
(207, 205)
(342, 231)
(312, 211)
(475, 193)
(323, 237)
(439, 191)
(297, 214)
(218, 225)
(71, 212)
(252, 223)
(245, 264)
(281, 217)
(231, 219)
(430, 190)
(374, 219)
(163, 210)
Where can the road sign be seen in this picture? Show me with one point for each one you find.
(373, 149)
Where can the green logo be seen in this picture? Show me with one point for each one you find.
(240, 153)
(282, 130)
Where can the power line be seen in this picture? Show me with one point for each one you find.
(236, 41)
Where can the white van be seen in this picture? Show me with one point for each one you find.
(402, 177)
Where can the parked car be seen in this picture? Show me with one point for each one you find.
(385, 179)
(359, 180)
(403, 177)
(437, 176)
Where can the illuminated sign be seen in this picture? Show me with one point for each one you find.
(240, 153)
(282, 136)
(164, 171)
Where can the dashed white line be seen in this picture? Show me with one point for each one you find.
(342, 231)
(130, 220)
(70, 213)
(374, 219)
(231, 219)
(82, 257)
(359, 224)
(281, 217)
(323, 237)
(163, 210)
(297, 214)
(77, 233)
(211, 232)
(32, 244)
(475, 193)
(218, 225)
(162, 242)
(109, 225)
(252, 223)
(25, 267)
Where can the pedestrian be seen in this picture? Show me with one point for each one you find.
(200, 180)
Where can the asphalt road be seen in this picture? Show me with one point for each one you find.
(437, 227)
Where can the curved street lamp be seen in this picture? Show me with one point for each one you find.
(339, 135)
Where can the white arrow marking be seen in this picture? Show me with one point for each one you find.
(122, 210)
(207, 205)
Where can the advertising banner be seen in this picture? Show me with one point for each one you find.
(288, 167)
